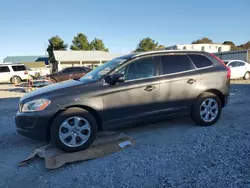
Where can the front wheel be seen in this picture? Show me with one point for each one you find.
(73, 130)
(206, 110)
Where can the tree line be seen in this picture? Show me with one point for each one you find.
(80, 42)
(206, 40)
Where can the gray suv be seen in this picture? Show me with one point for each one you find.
(126, 90)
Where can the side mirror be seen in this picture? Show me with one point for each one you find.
(113, 79)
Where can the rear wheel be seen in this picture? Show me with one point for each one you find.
(16, 80)
(206, 110)
(73, 130)
(247, 76)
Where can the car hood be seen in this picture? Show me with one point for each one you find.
(52, 88)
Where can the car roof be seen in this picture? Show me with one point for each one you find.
(73, 67)
(138, 54)
(233, 60)
(168, 51)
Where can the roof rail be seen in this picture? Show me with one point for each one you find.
(157, 51)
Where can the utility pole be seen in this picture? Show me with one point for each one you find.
(45, 49)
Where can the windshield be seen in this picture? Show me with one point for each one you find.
(102, 70)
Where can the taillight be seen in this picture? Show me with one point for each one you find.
(26, 72)
(228, 69)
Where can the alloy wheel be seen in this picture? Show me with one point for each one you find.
(209, 110)
(74, 131)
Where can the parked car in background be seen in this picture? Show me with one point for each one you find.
(239, 69)
(92, 66)
(126, 90)
(15, 73)
(68, 73)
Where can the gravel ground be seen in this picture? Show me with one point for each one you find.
(173, 153)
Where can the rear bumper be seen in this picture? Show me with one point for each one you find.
(33, 125)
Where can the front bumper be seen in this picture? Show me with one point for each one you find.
(34, 125)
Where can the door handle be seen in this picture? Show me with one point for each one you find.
(149, 88)
(191, 81)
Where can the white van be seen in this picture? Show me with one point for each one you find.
(14, 73)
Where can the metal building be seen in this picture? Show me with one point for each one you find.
(82, 58)
(235, 55)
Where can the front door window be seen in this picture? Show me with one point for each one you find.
(139, 69)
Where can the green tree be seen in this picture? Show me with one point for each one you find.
(228, 43)
(98, 45)
(161, 47)
(245, 46)
(55, 43)
(80, 42)
(232, 45)
(146, 44)
(203, 40)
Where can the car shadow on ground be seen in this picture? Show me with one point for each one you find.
(158, 125)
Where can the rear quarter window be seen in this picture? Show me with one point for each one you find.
(200, 61)
(19, 68)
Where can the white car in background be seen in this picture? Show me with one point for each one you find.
(15, 73)
(239, 69)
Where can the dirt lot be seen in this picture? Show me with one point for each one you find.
(173, 153)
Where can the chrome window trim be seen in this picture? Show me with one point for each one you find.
(159, 76)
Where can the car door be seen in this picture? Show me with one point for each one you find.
(234, 70)
(5, 74)
(179, 83)
(241, 69)
(136, 97)
(21, 71)
(78, 73)
(64, 74)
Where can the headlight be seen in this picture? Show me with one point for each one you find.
(36, 105)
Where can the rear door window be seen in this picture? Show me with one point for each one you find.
(68, 70)
(18, 68)
(200, 61)
(175, 64)
(79, 69)
(4, 69)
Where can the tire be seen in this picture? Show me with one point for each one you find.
(199, 112)
(64, 129)
(247, 76)
(16, 79)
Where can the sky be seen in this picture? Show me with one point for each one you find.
(26, 25)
